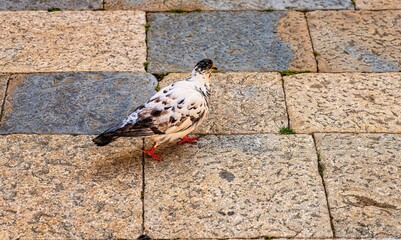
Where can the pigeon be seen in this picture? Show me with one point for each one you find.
(171, 114)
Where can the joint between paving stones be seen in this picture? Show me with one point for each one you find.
(321, 170)
(3, 103)
(311, 42)
(285, 103)
(143, 187)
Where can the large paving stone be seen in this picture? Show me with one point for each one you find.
(64, 187)
(242, 103)
(75, 103)
(353, 102)
(236, 186)
(362, 174)
(356, 41)
(236, 41)
(378, 4)
(46, 4)
(36, 41)
(3, 87)
(162, 5)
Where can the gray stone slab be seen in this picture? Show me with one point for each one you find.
(65, 187)
(347, 102)
(3, 86)
(236, 186)
(378, 4)
(362, 174)
(370, 44)
(242, 103)
(46, 4)
(74, 103)
(162, 5)
(236, 41)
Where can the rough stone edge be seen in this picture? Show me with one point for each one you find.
(3, 100)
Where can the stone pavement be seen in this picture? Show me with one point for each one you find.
(330, 70)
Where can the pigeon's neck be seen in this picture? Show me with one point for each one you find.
(200, 79)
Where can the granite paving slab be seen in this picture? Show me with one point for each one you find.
(348, 102)
(46, 4)
(378, 4)
(362, 174)
(65, 187)
(3, 87)
(356, 41)
(236, 186)
(242, 103)
(237, 41)
(74, 103)
(161, 5)
(37, 41)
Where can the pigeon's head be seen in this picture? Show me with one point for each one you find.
(205, 66)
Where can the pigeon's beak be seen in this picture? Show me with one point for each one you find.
(214, 68)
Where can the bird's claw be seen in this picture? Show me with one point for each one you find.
(153, 155)
(189, 140)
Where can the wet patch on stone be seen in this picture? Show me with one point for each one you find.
(236, 41)
(162, 5)
(370, 44)
(227, 175)
(74, 103)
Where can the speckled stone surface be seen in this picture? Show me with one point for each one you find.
(64, 187)
(362, 174)
(370, 44)
(236, 41)
(46, 4)
(3, 87)
(37, 41)
(378, 4)
(236, 186)
(160, 5)
(242, 103)
(74, 103)
(348, 102)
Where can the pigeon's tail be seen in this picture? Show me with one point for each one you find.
(103, 139)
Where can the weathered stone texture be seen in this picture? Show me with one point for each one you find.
(3, 86)
(236, 186)
(64, 187)
(356, 41)
(75, 103)
(378, 4)
(35, 41)
(236, 41)
(46, 4)
(349, 102)
(160, 5)
(362, 174)
(242, 103)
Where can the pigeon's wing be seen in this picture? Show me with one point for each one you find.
(175, 108)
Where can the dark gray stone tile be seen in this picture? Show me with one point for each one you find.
(162, 5)
(46, 4)
(236, 41)
(73, 103)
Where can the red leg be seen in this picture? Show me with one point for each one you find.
(151, 153)
(189, 140)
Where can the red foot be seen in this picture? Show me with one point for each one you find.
(151, 153)
(189, 140)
